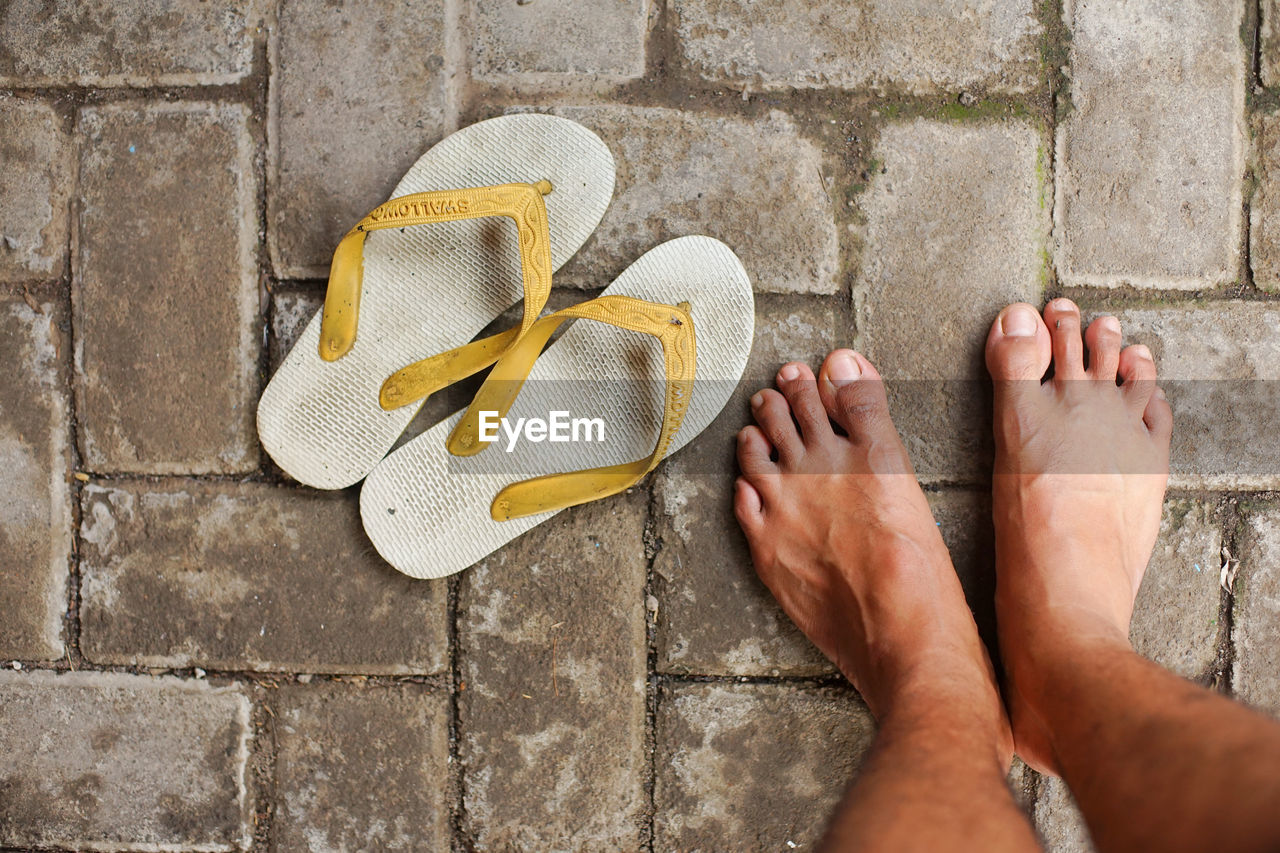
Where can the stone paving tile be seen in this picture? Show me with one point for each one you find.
(35, 507)
(361, 767)
(165, 290)
(964, 518)
(551, 633)
(108, 761)
(355, 100)
(247, 576)
(779, 44)
(714, 615)
(520, 42)
(1150, 160)
(956, 229)
(1256, 678)
(1020, 785)
(681, 173)
(105, 43)
(1264, 211)
(290, 313)
(1269, 42)
(1218, 363)
(1175, 618)
(753, 767)
(35, 188)
(1059, 821)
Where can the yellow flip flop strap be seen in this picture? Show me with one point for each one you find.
(521, 202)
(671, 325)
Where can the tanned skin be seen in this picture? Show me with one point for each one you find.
(841, 533)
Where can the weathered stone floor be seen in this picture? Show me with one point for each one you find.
(201, 655)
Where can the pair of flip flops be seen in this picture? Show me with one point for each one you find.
(424, 273)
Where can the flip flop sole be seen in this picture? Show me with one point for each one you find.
(427, 512)
(427, 289)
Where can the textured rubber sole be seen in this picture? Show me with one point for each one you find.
(427, 512)
(428, 289)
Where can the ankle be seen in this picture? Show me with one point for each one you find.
(941, 712)
(1060, 638)
(956, 692)
(928, 662)
(1048, 666)
(1041, 624)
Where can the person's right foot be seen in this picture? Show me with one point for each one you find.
(1081, 468)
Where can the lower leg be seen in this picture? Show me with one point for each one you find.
(1081, 463)
(1155, 761)
(930, 782)
(842, 535)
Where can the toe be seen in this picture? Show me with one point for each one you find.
(754, 454)
(748, 506)
(1137, 370)
(1103, 339)
(800, 387)
(853, 394)
(1063, 319)
(1158, 416)
(1018, 347)
(773, 414)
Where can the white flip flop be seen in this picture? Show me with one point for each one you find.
(431, 513)
(399, 293)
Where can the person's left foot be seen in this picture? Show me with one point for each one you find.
(841, 533)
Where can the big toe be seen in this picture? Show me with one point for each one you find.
(1018, 345)
(853, 393)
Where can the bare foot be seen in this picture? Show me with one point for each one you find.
(842, 535)
(1081, 467)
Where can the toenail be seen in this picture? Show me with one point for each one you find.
(1063, 304)
(843, 368)
(789, 372)
(1018, 322)
(757, 400)
(1159, 392)
(1111, 324)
